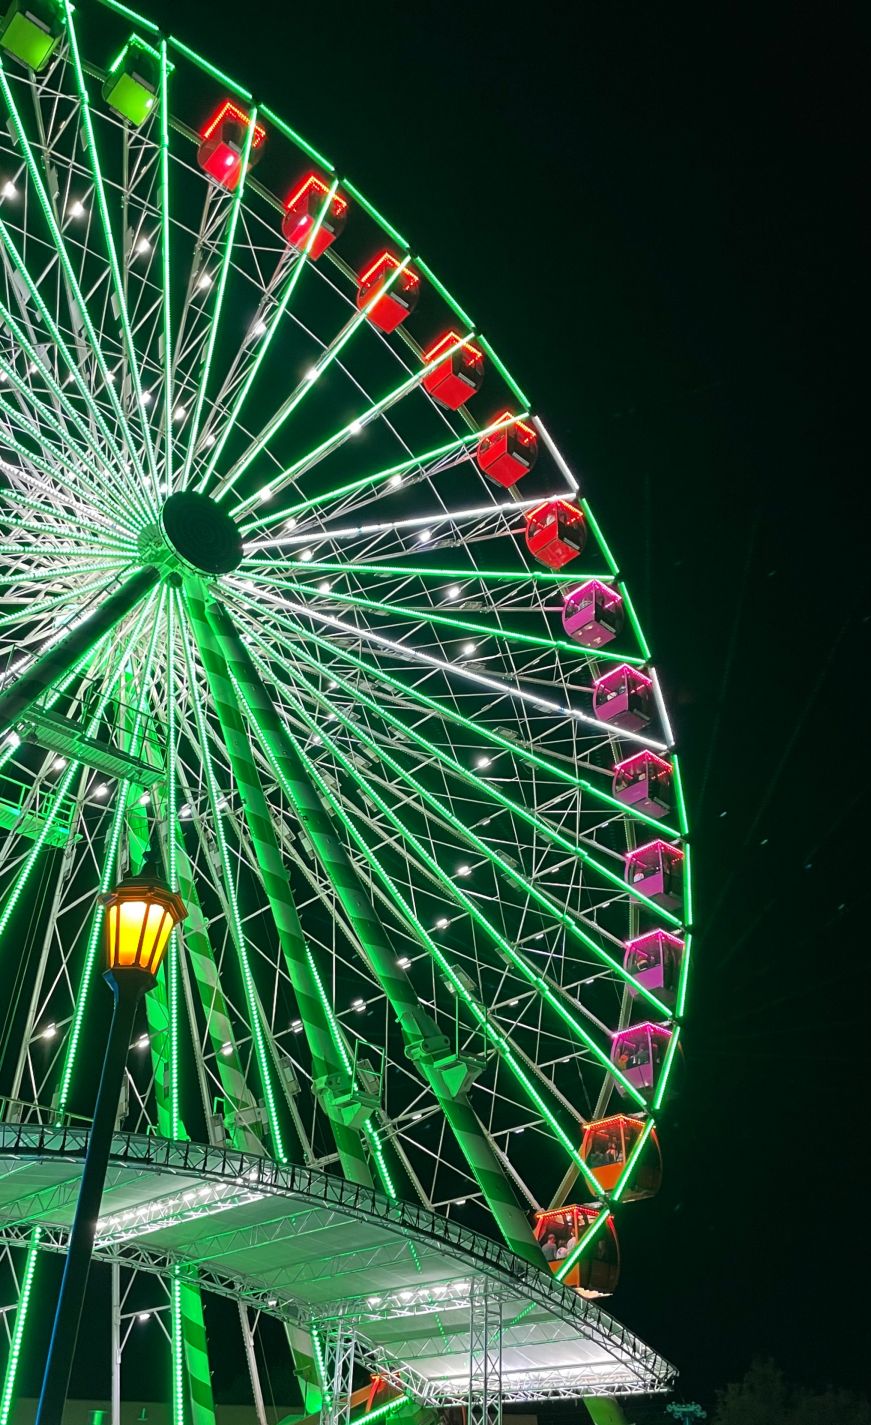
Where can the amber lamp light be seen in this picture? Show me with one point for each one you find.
(141, 913)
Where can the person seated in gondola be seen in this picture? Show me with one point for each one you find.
(549, 1249)
(612, 1152)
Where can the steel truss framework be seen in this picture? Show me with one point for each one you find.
(367, 756)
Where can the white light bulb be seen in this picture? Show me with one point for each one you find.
(355, 427)
(306, 555)
(77, 209)
(143, 245)
(9, 189)
(324, 586)
(469, 648)
(395, 480)
(452, 591)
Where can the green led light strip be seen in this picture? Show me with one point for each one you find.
(220, 293)
(7, 1399)
(281, 308)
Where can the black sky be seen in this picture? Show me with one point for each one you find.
(650, 210)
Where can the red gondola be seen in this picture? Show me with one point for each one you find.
(301, 212)
(458, 376)
(507, 454)
(556, 532)
(223, 142)
(398, 302)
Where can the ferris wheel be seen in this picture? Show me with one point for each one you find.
(302, 602)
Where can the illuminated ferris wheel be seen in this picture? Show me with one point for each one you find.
(301, 601)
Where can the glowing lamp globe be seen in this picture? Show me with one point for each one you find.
(141, 913)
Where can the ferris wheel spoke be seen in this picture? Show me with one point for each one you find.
(424, 1042)
(492, 1033)
(468, 576)
(329, 1053)
(235, 414)
(427, 613)
(328, 356)
(62, 656)
(346, 432)
(220, 294)
(126, 491)
(114, 265)
(53, 458)
(511, 692)
(407, 692)
(57, 520)
(391, 477)
(535, 894)
(556, 1000)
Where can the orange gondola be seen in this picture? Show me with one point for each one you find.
(608, 1144)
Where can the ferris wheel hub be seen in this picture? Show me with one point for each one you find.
(200, 534)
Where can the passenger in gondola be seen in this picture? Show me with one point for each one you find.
(549, 1249)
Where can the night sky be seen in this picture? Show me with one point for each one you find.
(649, 210)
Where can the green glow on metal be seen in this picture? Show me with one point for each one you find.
(600, 539)
(229, 425)
(333, 441)
(53, 472)
(504, 372)
(374, 213)
(665, 1073)
(633, 619)
(363, 481)
(177, 1336)
(448, 883)
(172, 858)
(494, 1035)
(629, 1166)
(295, 138)
(240, 943)
(109, 868)
(210, 69)
(449, 714)
(114, 266)
(432, 615)
(443, 292)
(493, 792)
(683, 982)
(688, 883)
(220, 292)
(131, 15)
(467, 575)
(377, 1414)
(168, 388)
(134, 43)
(583, 1246)
(7, 1399)
(680, 801)
(323, 363)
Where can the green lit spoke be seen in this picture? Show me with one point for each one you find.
(448, 714)
(457, 447)
(101, 539)
(109, 868)
(70, 772)
(428, 614)
(68, 475)
(484, 576)
(29, 610)
(443, 812)
(491, 792)
(551, 994)
(234, 418)
(114, 265)
(235, 918)
(220, 293)
(36, 360)
(500, 1041)
(338, 438)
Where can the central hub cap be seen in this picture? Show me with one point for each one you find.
(201, 534)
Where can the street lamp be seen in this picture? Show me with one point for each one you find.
(140, 915)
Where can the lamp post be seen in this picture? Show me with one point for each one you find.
(140, 915)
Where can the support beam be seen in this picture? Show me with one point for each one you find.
(334, 1081)
(447, 1073)
(63, 656)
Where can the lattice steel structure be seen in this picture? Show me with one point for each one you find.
(279, 608)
